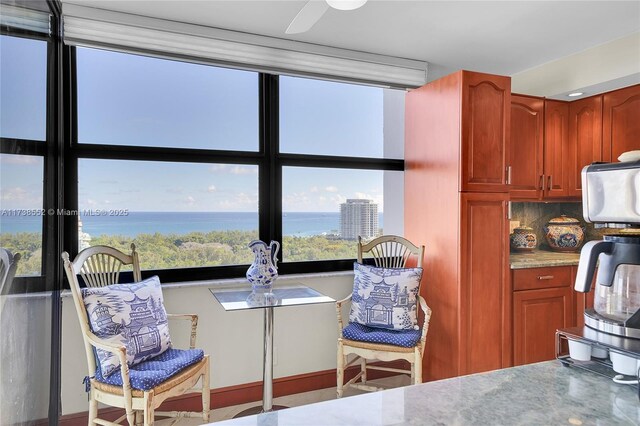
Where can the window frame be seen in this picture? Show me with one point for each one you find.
(268, 158)
(46, 149)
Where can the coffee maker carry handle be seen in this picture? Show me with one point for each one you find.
(274, 253)
(588, 261)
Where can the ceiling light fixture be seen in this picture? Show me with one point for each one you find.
(574, 94)
(346, 4)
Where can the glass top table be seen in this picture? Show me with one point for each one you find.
(280, 296)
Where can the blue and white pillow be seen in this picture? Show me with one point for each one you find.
(132, 315)
(385, 297)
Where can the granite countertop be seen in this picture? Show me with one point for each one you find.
(542, 258)
(539, 394)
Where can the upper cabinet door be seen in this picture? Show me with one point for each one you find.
(621, 122)
(585, 133)
(558, 164)
(486, 105)
(527, 135)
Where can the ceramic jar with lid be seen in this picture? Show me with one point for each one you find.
(564, 233)
(523, 239)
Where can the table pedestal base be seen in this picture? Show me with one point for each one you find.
(257, 410)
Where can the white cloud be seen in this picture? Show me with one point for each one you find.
(17, 197)
(331, 188)
(233, 169)
(211, 188)
(313, 189)
(240, 202)
(20, 159)
(190, 200)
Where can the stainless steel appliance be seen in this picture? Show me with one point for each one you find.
(611, 198)
(609, 343)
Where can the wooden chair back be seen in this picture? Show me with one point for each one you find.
(8, 266)
(390, 251)
(98, 266)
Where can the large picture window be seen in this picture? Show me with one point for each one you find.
(191, 162)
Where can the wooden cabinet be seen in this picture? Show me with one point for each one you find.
(455, 135)
(485, 132)
(484, 326)
(542, 303)
(555, 180)
(620, 122)
(526, 153)
(585, 136)
(539, 148)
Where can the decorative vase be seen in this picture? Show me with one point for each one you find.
(523, 239)
(263, 271)
(564, 233)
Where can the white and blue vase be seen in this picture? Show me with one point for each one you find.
(263, 271)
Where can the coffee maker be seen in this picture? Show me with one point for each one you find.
(609, 343)
(611, 198)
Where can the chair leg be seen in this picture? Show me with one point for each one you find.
(93, 411)
(363, 369)
(139, 417)
(131, 418)
(148, 408)
(206, 394)
(340, 371)
(417, 368)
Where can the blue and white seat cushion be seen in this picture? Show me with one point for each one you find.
(149, 374)
(362, 333)
(132, 315)
(385, 297)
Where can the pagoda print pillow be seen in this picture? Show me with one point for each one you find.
(132, 315)
(385, 297)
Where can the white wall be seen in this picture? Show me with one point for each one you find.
(393, 182)
(304, 336)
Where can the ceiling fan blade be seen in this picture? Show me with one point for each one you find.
(308, 16)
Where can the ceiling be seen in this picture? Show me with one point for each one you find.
(501, 37)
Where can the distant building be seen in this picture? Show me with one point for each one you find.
(358, 217)
(84, 239)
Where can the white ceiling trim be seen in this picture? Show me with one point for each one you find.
(91, 27)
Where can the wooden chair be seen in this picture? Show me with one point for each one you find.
(388, 251)
(100, 266)
(8, 266)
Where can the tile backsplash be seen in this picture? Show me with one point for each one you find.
(536, 216)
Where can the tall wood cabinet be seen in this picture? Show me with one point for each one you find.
(556, 176)
(456, 195)
(620, 122)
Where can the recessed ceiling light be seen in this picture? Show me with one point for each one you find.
(574, 94)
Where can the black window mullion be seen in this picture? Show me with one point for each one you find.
(270, 182)
(336, 162)
(22, 147)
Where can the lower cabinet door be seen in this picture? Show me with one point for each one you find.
(537, 314)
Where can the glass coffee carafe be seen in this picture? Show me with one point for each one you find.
(616, 307)
(620, 301)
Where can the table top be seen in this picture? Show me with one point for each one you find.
(536, 394)
(287, 295)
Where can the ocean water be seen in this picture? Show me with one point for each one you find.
(293, 223)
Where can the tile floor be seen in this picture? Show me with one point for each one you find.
(290, 401)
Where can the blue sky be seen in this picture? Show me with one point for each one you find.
(127, 99)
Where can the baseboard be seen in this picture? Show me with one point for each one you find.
(241, 394)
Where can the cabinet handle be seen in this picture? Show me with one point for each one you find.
(541, 182)
(508, 175)
(550, 182)
(509, 210)
(545, 277)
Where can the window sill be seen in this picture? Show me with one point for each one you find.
(242, 282)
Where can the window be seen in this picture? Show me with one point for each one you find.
(192, 162)
(325, 209)
(23, 88)
(136, 100)
(179, 215)
(21, 215)
(23, 133)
